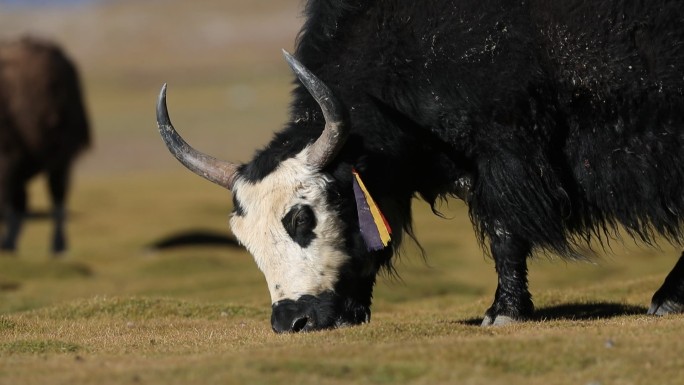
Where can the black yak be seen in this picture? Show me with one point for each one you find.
(43, 127)
(556, 121)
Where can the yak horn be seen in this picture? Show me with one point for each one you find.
(336, 130)
(220, 172)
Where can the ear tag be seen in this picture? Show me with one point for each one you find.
(375, 230)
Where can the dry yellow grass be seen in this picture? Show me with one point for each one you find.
(113, 312)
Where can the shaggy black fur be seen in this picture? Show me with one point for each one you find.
(565, 118)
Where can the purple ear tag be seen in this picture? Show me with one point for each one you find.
(374, 228)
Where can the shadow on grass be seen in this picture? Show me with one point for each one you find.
(40, 215)
(578, 312)
(9, 286)
(192, 238)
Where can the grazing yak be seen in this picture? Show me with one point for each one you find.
(43, 127)
(555, 121)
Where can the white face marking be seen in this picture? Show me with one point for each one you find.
(290, 270)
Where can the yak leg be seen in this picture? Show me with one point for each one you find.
(58, 181)
(4, 206)
(13, 223)
(512, 301)
(14, 213)
(670, 297)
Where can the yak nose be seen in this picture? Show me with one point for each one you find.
(291, 317)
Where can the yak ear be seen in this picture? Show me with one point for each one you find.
(336, 129)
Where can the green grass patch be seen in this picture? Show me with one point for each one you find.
(144, 308)
(22, 269)
(6, 324)
(38, 347)
(374, 373)
(185, 264)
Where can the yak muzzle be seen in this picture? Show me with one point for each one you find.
(311, 313)
(290, 316)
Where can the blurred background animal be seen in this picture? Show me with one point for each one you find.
(43, 128)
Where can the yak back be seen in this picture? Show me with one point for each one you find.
(42, 113)
(566, 114)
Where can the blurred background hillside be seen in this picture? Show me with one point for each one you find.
(221, 59)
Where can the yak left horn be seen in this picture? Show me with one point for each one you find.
(214, 170)
(335, 133)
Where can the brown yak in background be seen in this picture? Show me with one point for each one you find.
(43, 127)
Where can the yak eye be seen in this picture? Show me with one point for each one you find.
(299, 223)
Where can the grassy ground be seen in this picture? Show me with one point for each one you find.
(115, 312)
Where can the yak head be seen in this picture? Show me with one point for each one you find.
(293, 222)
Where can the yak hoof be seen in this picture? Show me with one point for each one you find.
(8, 247)
(59, 246)
(60, 254)
(499, 320)
(665, 307)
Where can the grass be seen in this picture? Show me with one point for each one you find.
(113, 311)
(180, 344)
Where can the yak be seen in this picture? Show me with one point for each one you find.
(43, 128)
(557, 122)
